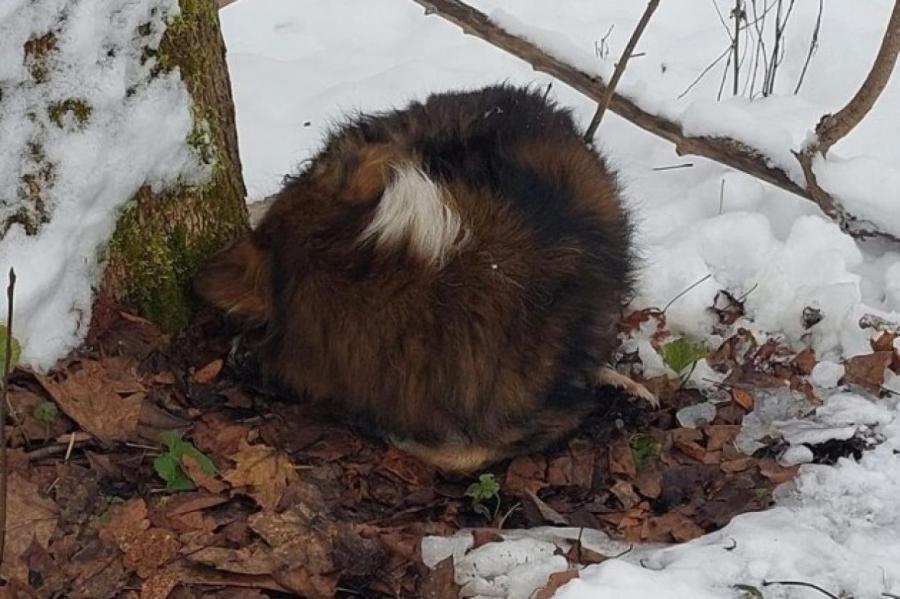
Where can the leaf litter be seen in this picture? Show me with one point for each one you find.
(188, 481)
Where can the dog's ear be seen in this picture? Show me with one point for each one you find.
(238, 281)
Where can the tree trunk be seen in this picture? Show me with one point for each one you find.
(162, 237)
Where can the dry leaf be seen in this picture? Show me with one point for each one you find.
(775, 472)
(742, 398)
(546, 512)
(621, 460)
(103, 397)
(264, 472)
(150, 550)
(407, 468)
(30, 518)
(720, 435)
(868, 371)
(649, 484)
(255, 559)
(193, 469)
(805, 361)
(555, 582)
(525, 473)
(687, 441)
(126, 523)
(208, 373)
(439, 583)
(624, 492)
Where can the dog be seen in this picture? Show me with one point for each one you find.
(452, 274)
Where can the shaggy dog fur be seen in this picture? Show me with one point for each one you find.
(452, 273)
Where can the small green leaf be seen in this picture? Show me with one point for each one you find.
(748, 591)
(168, 465)
(16, 349)
(643, 447)
(46, 412)
(168, 469)
(682, 353)
(486, 488)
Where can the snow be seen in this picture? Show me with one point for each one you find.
(134, 135)
(294, 72)
(297, 67)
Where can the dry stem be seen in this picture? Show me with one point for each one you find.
(7, 363)
(620, 69)
(726, 151)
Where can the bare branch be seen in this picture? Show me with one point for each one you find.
(833, 127)
(7, 363)
(620, 69)
(726, 151)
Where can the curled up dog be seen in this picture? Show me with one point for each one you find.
(451, 273)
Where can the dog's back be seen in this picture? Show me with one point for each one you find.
(451, 272)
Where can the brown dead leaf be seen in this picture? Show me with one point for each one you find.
(208, 373)
(868, 371)
(555, 582)
(688, 441)
(407, 468)
(125, 524)
(103, 397)
(440, 583)
(526, 473)
(152, 549)
(884, 341)
(742, 398)
(255, 559)
(649, 484)
(264, 472)
(672, 526)
(624, 492)
(775, 472)
(483, 536)
(217, 435)
(736, 465)
(547, 513)
(805, 361)
(621, 460)
(720, 435)
(193, 469)
(30, 518)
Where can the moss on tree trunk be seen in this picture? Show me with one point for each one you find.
(161, 238)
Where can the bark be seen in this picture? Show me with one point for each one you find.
(161, 238)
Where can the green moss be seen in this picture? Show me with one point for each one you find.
(161, 239)
(176, 47)
(78, 107)
(160, 255)
(203, 135)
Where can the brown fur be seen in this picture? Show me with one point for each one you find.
(485, 355)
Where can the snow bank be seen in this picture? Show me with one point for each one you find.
(85, 121)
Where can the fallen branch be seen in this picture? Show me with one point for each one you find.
(726, 151)
(833, 127)
(7, 363)
(620, 69)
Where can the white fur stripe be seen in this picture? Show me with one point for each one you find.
(413, 208)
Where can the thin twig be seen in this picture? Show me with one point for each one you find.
(683, 293)
(738, 13)
(813, 46)
(620, 68)
(7, 366)
(727, 151)
(799, 583)
(672, 167)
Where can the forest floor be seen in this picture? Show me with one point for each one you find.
(152, 467)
